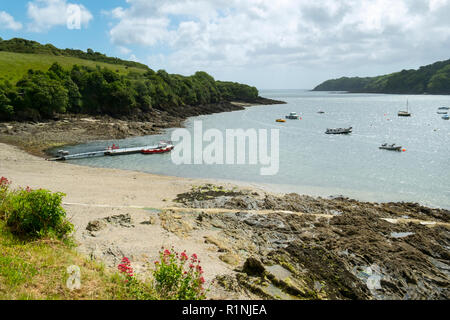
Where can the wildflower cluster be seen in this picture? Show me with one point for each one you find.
(4, 186)
(178, 276)
(4, 182)
(126, 269)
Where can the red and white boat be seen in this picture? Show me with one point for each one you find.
(162, 147)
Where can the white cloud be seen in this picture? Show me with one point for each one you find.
(46, 14)
(7, 22)
(124, 50)
(255, 34)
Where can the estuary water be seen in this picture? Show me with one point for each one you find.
(314, 163)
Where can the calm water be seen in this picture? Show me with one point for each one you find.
(312, 162)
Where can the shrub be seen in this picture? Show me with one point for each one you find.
(178, 276)
(36, 214)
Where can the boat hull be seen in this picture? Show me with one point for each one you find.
(339, 131)
(157, 151)
(391, 149)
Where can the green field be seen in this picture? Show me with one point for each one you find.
(13, 66)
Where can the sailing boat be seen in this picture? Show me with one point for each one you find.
(405, 113)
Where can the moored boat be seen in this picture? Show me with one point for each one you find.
(161, 148)
(339, 131)
(442, 112)
(406, 113)
(446, 117)
(391, 147)
(444, 108)
(280, 120)
(293, 116)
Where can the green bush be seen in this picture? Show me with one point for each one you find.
(36, 214)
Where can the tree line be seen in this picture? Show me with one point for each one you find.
(102, 91)
(430, 79)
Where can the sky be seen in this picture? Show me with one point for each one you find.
(270, 44)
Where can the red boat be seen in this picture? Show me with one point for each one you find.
(162, 148)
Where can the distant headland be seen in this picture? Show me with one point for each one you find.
(430, 79)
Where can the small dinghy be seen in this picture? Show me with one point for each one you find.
(293, 116)
(63, 153)
(280, 120)
(443, 108)
(339, 131)
(391, 147)
(320, 112)
(446, 117)
(442, 112)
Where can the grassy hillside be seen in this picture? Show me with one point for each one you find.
(28, 46)
(430, 79)
(13, 66)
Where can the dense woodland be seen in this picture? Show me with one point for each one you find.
(430, 79)
(103, 91)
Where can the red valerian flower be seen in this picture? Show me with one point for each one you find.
(125, 268)
(184, 256)
(4, 182)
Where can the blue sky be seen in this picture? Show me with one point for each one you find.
(266, 43)
(94, 35)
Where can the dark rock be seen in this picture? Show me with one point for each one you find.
(253, 267)
(96, 225)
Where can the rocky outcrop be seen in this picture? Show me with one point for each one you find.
(337, 248)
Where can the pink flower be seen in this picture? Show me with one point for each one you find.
(184, 256)
(4, 182)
